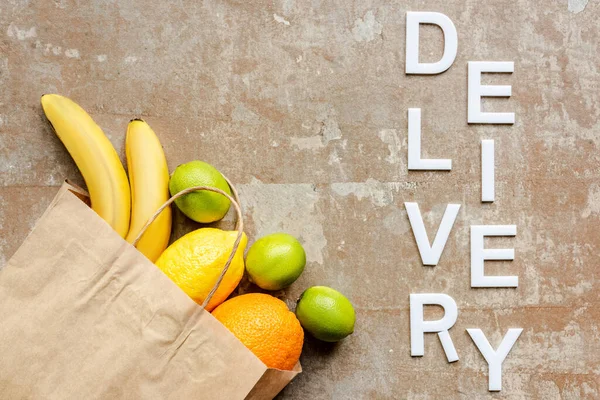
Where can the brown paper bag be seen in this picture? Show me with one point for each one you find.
(84, 315)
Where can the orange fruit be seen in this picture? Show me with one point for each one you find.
(264, 325)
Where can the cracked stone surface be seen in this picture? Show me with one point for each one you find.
(304, 106)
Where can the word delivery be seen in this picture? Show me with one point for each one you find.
(431, 253)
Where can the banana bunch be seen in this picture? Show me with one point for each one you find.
(126, 208)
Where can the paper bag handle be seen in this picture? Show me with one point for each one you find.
(239, 227)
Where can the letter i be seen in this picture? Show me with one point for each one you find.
(488, 170)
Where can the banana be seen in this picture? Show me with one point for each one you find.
(95, 157)
(149, 177)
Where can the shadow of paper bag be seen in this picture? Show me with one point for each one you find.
(84, 315)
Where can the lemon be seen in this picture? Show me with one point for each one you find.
(201, 206)
(195, 261)
(325, 313)
(275, 261)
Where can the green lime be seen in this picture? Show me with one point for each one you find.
(201, 206)
(325, 313)
(275, 261)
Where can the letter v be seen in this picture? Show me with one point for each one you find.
(430, 255)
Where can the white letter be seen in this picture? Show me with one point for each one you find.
(418, 327)
(414, 146)
(479, 254)
(487, 171)
(477, 90)
(413, 19)
(430, 255)
(495, 358)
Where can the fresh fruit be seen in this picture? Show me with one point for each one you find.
(275, 261)
(95, 157)
(325, 313)
(264, 325)
(149, 181)
(195, 261)
(201, 206)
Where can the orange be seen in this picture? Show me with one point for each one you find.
(264, 325)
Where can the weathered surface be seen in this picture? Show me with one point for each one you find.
(303, 105)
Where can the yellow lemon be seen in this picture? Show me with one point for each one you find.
(195, 261)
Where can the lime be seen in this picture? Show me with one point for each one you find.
(325, 313)
(275, 261)
(201, 206)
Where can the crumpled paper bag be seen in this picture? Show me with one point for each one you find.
(84, 315)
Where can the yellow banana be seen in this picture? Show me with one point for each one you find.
(149, 177)
(95, 157)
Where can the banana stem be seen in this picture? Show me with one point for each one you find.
(239, 227)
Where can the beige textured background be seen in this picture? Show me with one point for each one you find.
(303, 105)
